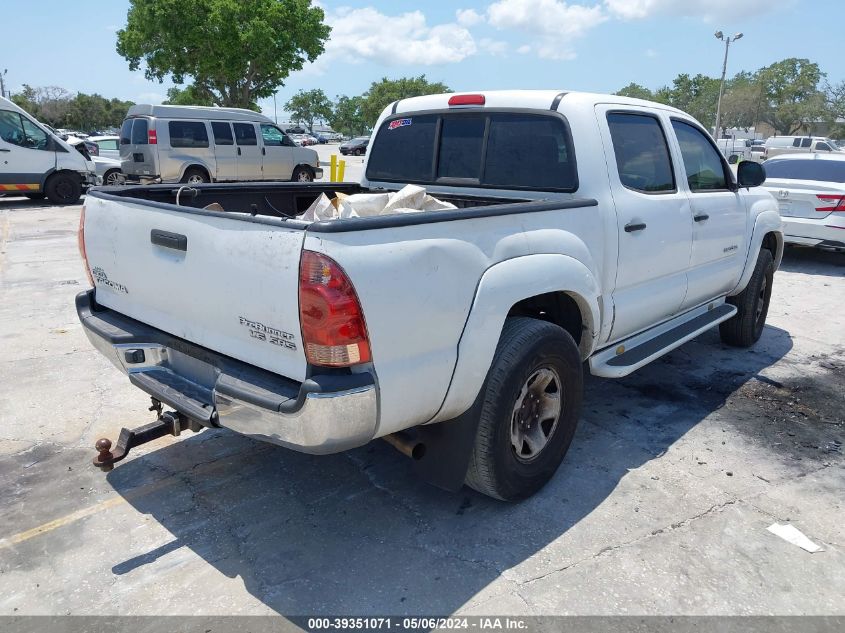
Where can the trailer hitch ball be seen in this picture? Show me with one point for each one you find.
(104, 456)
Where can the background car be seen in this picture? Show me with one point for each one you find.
(109, 145)
(356, 146)
(107, 169)
(810, 190)
(90, 146)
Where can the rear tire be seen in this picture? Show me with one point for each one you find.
(745, 327)
(195, 176)
(302, 174)
(531, 402)
(63, 188)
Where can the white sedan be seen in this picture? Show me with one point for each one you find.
(810, 190)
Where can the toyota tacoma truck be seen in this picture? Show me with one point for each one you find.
(590, 233)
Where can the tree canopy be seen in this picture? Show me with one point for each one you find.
(58, 107)
(383, 93)
(308, 106)
(348, 116)
(235, 51)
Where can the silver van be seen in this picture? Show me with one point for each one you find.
(193, 144)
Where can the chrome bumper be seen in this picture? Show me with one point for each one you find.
(324, 414)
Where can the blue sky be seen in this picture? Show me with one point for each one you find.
(595, 45)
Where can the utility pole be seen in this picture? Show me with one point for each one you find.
(720, 36)
(3, 84)
(275, 114)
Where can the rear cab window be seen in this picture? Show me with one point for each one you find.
(502, 150)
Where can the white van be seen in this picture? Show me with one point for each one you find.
(36, 163)
(735, 149)
(194, 144)
(777, 145)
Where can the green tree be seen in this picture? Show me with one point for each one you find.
(636, 91)
(742, 102)
(236, 50)
(189, 95)
(27, 99)
(307, 106)
(697, 96)
(791, 94)
(348, 116)
(384, 92)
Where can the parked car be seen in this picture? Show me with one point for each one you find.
(810, 190)
(91, 147)
(356, 146)
(107, 169)
(192, 144)
(578, 250)
(108, 145)
(777, 145)
(36, 163)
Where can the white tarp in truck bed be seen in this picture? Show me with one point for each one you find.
(409, 199)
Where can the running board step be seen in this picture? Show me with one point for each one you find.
(631, 354)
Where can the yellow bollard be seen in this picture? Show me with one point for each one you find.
(341, 167)
(333, 171)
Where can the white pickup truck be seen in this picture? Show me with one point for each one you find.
(592, 232)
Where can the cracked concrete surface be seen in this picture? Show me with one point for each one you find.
(660, 507)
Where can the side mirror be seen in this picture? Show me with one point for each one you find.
(750, 174)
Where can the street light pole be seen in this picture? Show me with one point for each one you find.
(720, 36)
(3, 84)
(275, 115)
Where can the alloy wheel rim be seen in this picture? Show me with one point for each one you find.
(536, 413)
(195, 179)
(761, 301)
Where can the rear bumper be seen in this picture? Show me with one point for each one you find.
(324, 414)
(824, 232)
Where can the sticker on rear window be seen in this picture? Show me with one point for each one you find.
(398, 123)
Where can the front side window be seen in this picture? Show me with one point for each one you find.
(704, 167)
(642, 154)
(271, 135)
(502, 150)
(139, 131)
(222, 133)
(245, 134)
(34, 136)
(188, 134)
(823, 147)
(11, 128)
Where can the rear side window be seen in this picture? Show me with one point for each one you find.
(703, 163)
(245, 134)
(806, 142)
(222, 133)
(819, 170)
(139, 131)
(642, 154)
(187, 134)
(488, 149)
(126, 132)
(107, 144)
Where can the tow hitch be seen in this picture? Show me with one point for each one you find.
(167, 423)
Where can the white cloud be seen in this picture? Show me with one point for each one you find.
(468, 17)
(524, 49)
(706, 9)
(551, 18)
(368, 35)
(650, 52)
(492, 47)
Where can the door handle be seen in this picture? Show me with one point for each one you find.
(633, 227)
(176, 241)
(701, 217)
(3, 149)
(239, 151)
(263, 151)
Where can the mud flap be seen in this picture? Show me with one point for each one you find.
(448, 447)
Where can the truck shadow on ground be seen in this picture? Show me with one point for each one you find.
(357, 533)
(813, 261)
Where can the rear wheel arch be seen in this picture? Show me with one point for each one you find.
(560, 308)
(195, 167)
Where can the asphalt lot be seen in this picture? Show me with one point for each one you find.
(661, 506)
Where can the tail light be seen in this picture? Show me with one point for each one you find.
(333, 328)
(834, 202)
(80, 238)
(152, 137)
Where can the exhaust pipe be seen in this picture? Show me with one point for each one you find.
(405, 444)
